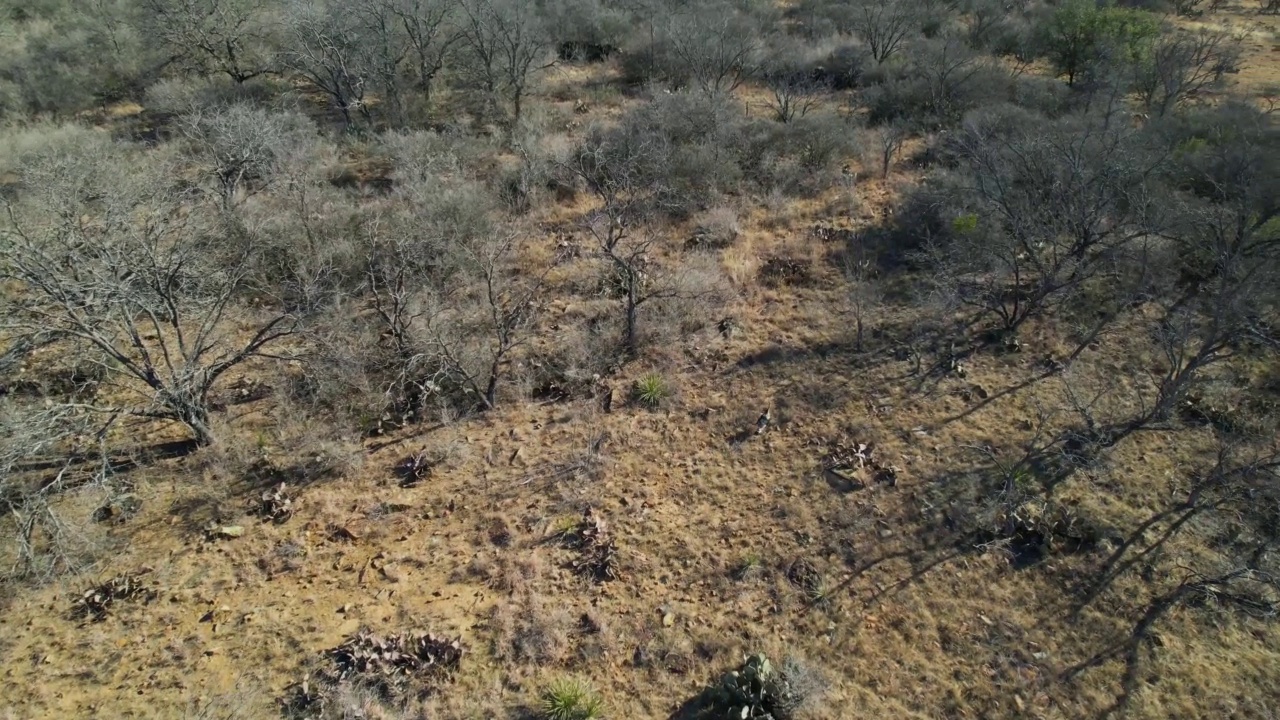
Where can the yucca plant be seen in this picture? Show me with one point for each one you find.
(651, 390)
(748, 567)
(570, 699)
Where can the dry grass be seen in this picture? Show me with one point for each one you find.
(902, 625)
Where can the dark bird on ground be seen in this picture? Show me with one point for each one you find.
(763, 423)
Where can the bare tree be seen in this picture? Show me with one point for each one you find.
(890, 139)
(451, 331)
(1222, 297)
(861, 268)
(430, 28)
(884, 25)
(472, 330)
(241, 146)
(946, 66)
(1215, 318)
(1182, 65)
(448, 294)
(795, 88)
(717, 45)
(1050, 209)
(326, 50)
(506, 42)
(113, 255)
(384, 49)
(226, 36)
(613, 166)
(983, 18)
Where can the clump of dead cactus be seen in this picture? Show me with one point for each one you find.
(598, 559)
(849, 459)
(396, 657)
(96, 602)
(396, 666)
(276, 505)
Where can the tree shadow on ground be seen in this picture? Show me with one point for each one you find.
(780, 355)
(120, 461)
(229, 503)
(993, 397)
(975, 511)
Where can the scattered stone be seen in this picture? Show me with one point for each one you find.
(392, 572)
(216, 532)
(668, 620)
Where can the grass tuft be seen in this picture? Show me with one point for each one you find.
(570, 699)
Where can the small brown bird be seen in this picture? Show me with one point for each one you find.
(763, 423)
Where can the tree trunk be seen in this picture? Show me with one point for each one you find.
(491, 389)
(629, 330)
(197, 418)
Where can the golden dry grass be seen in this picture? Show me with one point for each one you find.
(968, 638)
(905, 629)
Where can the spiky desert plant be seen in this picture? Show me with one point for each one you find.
(570, 699)
(651, 390)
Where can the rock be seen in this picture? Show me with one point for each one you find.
(668, 620)
(392, 572)
(230, 531)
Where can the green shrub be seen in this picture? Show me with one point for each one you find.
(965, 224)
(1079, 34)
(570, 699)
(651, 390)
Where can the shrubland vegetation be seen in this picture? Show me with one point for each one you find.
(390, 215)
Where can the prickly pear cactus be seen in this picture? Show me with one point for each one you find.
(756, 691)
